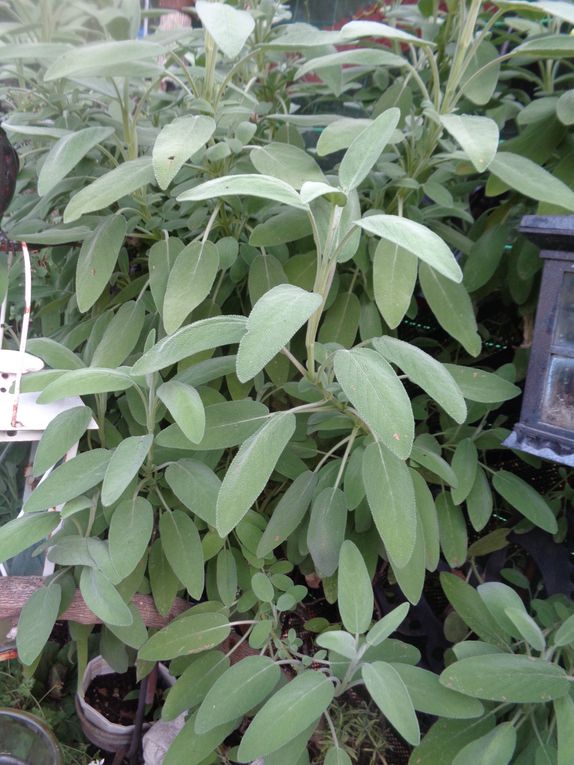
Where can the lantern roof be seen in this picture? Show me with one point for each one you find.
(549, 232)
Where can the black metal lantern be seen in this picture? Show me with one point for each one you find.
(546, 426)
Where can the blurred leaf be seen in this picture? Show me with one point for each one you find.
(97, 260)
(525, 499)
(355, 592)
(103, 599)
(229, 27)
(177, 142)
(392, 697)
(182, 547)
(69, 480)
(129, 534)
(189, 283)
(62, 433)
(188, 634)
(366, 149)
(37, 619)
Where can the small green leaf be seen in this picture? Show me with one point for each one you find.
(338, 641)
(452, 307)
(248, 473)
(387, 625)
(103, 599)
(464, 464)
(185, 406)
(226, 577)
(66, 153)
(478, 136)
(262, 587)
(101, 59)
(565, 633)
(485, 387)
(200, 336)
(251, 185)
(164, 583)
(452, 530)
(62, 433)
(416, 239)
(107, 189)
(371, 385)
(124, 465)
(326, 530)
(294, 706)
(394, 277)
(525, 499)
(229, 27)
(23, 532)
(288, 513)
(191, 633)
(129, 534)
(472, 610)
(479, 503)
(507, 677)
(189, 282)
(69, 480)
(366, 149)
(193, 748)
(97, 260)
(177, 142)
(182, 547)
(265, 335)
(390, 694)
(527, 627)
(391, 498)
(355, 592)
(37, 619)
(426, 372)
(446, 738)
(238, 690)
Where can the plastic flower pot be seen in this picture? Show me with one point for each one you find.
(26, 740)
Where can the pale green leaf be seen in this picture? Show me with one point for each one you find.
(81, 382)
(426, 372)
(527, 628)
(249, 471)
(336, 756)
(121, 335)
(391, 498)
(238, 690)
(465, 466)
(69, 480)
(366, 149)
(416, 239)
(472, 610)
(124, 465)
(432, 698)
(326, 530)
(341, 133)
(182, 547)
(103, 599)
(363, 57)
(37, 619)
(495, 748)
(296, 705)
(485, 387)
(387, 625)
(191, 633)
(191, 687)
(177, 142)
(101, 59)
(564, 716)
(525, 499)
(373, 388)
(565, 633)
(107, 189)
(23, 532)
(66, 153)
(252, 185)
(452, 530)
(452, 308)
(97, 260)
(338, 641)
(528, 178)
(193, 748)
(507, 677)
(354, 590)
(288, 513)
(394, 277)
(185, 406)
(390, 694)
(189, 283)
(478, 136)
(265, 335)
(229, 27)
(129, 534)
(62, 433)
(286, 162)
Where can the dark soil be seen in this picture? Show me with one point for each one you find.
(107, 694)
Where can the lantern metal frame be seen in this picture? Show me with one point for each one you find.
(22, 418)
(537, 432)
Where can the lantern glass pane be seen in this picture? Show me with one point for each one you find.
(558, 402)
(564, 333)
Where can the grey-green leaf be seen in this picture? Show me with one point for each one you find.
(288, 513)
(528, 178)
(189, 282)
(37, 619)
(478, 136)
(432, 698)
(274, 320)
(191, 633)
(525, 499)
(103, 599)
(392, 697)
(241, 688)
(182, 547)
(366, 149)
(23, 532)
(176, 143)
(286, 162)
(62, 433)
(326, 530)
(250, 470)
(416, 239)
(287, 713)
(354, 590)
(97, 259)
(394, 277)
(66, 153)
(229, 27)
(129, 534)
(253, 185)
(69, 480)
(371, 385)
(185, 406)
(124, 464)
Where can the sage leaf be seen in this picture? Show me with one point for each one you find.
(366, 149)
(62, 433)
(23, 532)
(177, 142)
(274, 320)
(387, 625)
(355, 592)
(286, 162)
(68, 480)
(82, 382)
(485, 387)
(250, 470)
(101, 59)
(192, 686)
(193, 748)
(189, 634)
(525, 499)
(182, 547)
(371, 385)
(124, 464)
(185, 406)
(296, 705)
(189, 283)
(390, 694)
(37, 619)
(103, 599)
(465, 465)
(430, 697)
(251, 185)
(326, 530)
(229, 27)
(97, 260)
(121, 335)
(239, 689)
(478, 136)
(394, 277)
(288, 513)
(528, 178)
(129, 534)
(564, 716)
(391, 499)
(505, 677)
(495, 748)
(66, 153)
(416, 239)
